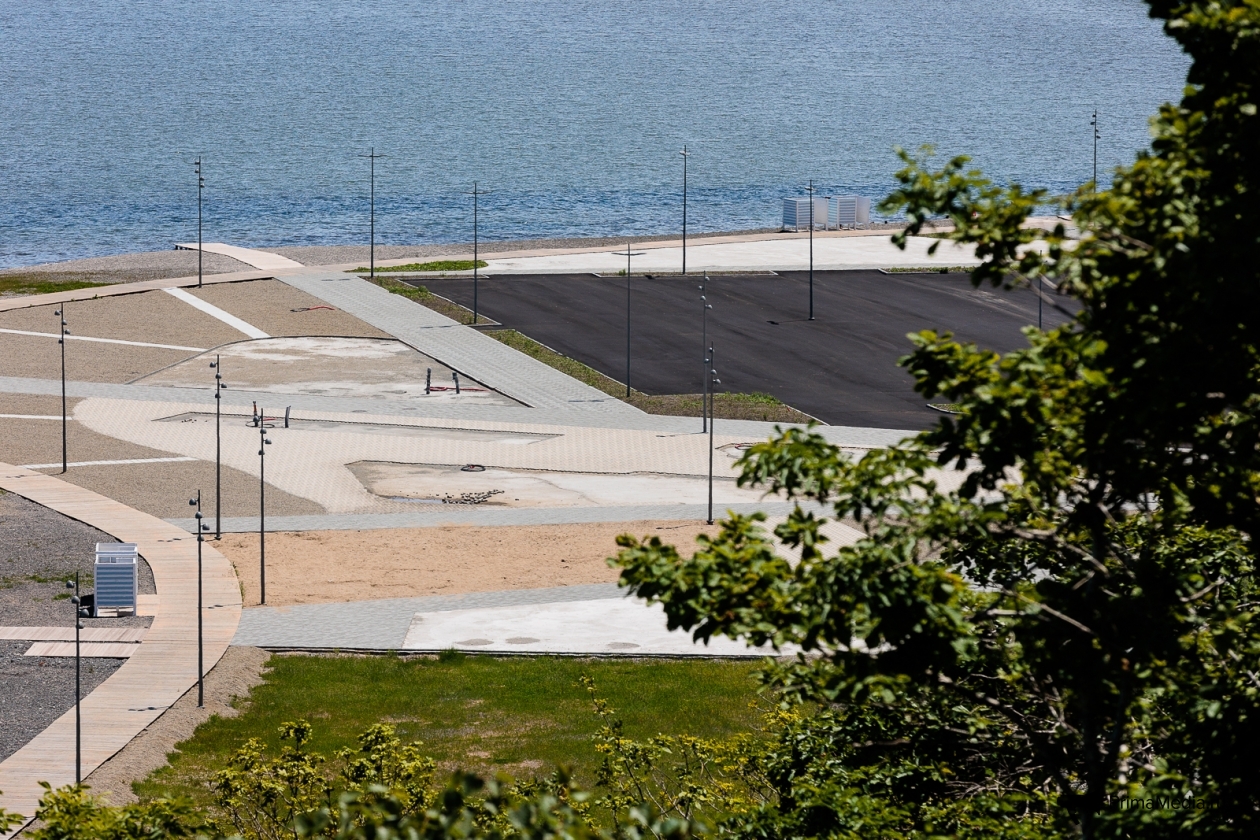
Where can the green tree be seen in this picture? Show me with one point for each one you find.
(1052, 614)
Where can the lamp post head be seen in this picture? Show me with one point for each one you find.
(74, 599)
(192, 501)
(69, 584)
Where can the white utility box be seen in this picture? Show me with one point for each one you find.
(849, 211)
(796, 213)
(117, 578)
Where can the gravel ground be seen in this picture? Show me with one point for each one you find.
(39, 550)
(240, 669)
(39, 442)
(39, 358)
(132, 268)
(163, 490)
(154, 317)
(32, 404)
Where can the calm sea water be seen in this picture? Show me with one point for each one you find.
(570, 112)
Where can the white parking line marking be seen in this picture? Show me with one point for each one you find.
(215, 312)
(107, 340)
(108, 463)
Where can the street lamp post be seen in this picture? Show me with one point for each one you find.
(475, 192)
(811, 249)
(201, 185)
(218, 448)
(711, 376)
(372, 156)
(61, 340)
(705, 306)
(685, 154)
(201, 529)
(628, 254)
(1094, 124)
(78, 719)
(264, 441)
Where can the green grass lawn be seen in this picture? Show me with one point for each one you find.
(37, 284)
(523, 716)
(436, 265)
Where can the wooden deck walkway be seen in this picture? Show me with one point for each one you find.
(164, 664)
(115, 289)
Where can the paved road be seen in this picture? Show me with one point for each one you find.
(841, 367)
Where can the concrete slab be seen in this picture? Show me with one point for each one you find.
(830, 252)
(624, 627)
(358, 368)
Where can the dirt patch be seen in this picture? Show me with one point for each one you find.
(37, 357)
(279, 309)
(163, 490)
(240, 669)
(39, 441)
(316, 567)
(154, 317)
(33, 404)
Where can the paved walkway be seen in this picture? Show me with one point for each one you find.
(589, 620)
(264, 260)
(116, 289)
(778, 254)
(163, 666)
(489, 415)
(383, 625)
(437, 516)
(459, 347)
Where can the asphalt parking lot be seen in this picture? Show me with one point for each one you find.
(840, 367)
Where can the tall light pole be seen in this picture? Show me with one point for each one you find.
(372, 156)
(628, 254)
(475, 192)
(201, 185)
(264, 441)
(78, 718)
(1094, 124)
(685, 154)
(201, 529)
(218, 449)
(705, 306)
(711, 376)
(61, 339)
(811, 249)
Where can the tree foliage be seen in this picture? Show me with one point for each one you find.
(1049, 624)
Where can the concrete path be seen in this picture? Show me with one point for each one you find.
(591, 620)
(264, 260)
(116, 289)
(459, 347)
(439, 516)
(765, 255)
(491, 416)
(625, 627)
(383, 625)
(163, 666)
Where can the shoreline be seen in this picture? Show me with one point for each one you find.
(157, 265)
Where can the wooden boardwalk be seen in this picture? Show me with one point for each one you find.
(164, 664)
(115, 289)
